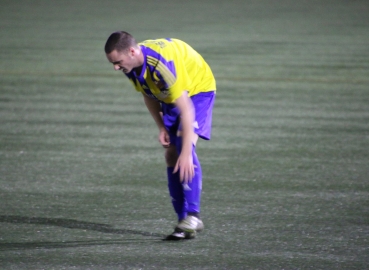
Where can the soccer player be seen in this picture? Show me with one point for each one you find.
(178, 88)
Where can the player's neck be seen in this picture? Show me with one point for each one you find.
(138, 70)
(140, 62)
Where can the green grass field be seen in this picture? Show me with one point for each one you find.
(82, 176)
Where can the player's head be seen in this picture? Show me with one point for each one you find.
(120, 41)
(123, 52)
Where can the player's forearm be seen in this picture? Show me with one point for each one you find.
(187, 132)
(155, 110)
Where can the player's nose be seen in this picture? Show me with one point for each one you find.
(116, 67)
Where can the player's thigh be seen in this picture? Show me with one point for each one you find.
(203, 105)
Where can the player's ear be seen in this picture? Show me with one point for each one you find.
(132, 51)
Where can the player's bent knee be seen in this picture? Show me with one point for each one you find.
(171, 156)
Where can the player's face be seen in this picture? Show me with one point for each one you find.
(124, 61)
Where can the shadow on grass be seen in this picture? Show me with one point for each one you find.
(71, 224)
(68, 244)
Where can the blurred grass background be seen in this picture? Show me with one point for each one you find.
(82, 177)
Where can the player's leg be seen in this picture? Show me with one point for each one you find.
(203, 105)
(179, 195)
(186, 198)
(192, 189)
(176, 193)
(192, 195)
(171, 121)
(174, 185)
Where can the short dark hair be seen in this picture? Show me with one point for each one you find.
(120, 41)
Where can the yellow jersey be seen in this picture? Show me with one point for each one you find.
(170, 67)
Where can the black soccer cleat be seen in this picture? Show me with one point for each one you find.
(179, 234)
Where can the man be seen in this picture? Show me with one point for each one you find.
(178, 88)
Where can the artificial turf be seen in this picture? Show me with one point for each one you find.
(82, 176)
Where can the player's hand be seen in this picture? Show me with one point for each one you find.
(164, 138)
(186, 168)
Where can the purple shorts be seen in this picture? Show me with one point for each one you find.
(203, 104)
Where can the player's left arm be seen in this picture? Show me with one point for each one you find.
(185, 162)
(155, 110)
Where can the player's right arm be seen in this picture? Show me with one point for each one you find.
(155, 110)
